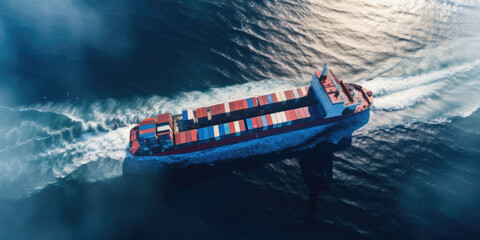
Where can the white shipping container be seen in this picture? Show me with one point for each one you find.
(288, 122)
(284, 117)
(279, 119)
(216, 133)
(274, 120)
(297, 97)
(163, 128)
(227, 109)
(237, 128)
(189, 114)
(283, 97)
(279, 98)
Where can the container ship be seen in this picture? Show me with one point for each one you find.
(326, 100)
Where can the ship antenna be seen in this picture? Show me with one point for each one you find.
(324, 70)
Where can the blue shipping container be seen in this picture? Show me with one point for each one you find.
(210, 132)
(221, 131)
(205, 133)
(148, 135)
(249, 102)
(185, 115)
(227, 129)
(148, 126)
(249, 124)
(200, 134)
(270, 99)
(264, 121)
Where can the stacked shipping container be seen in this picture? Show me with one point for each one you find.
(189, 119)
(280, 100)
(203, 117)
(235, 110)
(221, 131)
(226, 117)
(279, 119)
(186, 138)
(165, 130)
(148, 138)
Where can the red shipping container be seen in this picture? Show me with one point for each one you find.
(300, 92)
(245, 104)
(259, 122)
(242, 125)
(148, 119)
(215, 109)
(182, 137)
(163, 118)
(238, 105)
(254, 102)
(292, 94)
(301, 112)
(194, 135)
(254, 123)
(232, 106)
(293, 114)
(221, 109)
(147, 131)
(287, 95)
(269, 120)
(297, 113)
(188, 136)
(147, 122)
(204, 112)
(287, 114)
(260, 101)
(177, 139)
(231, 126)
(201, 112)
(212, 110)
(274, 97)
(305, 112)
(265, 100)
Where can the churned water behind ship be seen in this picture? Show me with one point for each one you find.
(75, 76)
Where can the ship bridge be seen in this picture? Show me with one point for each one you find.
(334, 96)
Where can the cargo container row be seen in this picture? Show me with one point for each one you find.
(283, 100)
(235, 110)
(279, 119)
(186, 138)
(221, 131)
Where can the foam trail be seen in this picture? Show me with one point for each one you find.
(43, 143)
(382, 86)
(434, 96)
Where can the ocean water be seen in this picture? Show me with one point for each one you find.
(75, 76)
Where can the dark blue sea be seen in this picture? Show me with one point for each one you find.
(76, 75)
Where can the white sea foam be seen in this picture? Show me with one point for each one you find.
(382, 86)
